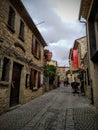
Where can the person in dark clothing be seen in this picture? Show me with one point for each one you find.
(64, 82)
(82, 88)
(59, 83)
(75, 87)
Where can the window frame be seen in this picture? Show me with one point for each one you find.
(11, 19)
(35, 80)
(21, 30)
(27, 81)
(36, 49)
(5, 70)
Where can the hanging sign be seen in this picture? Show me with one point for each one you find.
(75, 58)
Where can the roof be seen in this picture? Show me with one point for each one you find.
(84, 8)
(77, 42)
(63, 67)
(70, 53)
(26, 17)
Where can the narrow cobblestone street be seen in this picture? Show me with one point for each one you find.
(58, 109)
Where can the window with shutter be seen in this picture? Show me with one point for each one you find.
(36, 48)
(21, 33)
(39, 79)
(11, 19)
(5, 70)
(33, 45)
(35, 79)
(32, 79)
(27, 81)
(39, 51)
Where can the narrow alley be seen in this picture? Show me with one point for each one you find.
(48, 65)
(58, 109)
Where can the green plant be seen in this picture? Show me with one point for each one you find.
(50, 70)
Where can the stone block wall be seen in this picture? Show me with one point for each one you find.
(29, 94)
(96, 85)
(16, 54)
(4, 98)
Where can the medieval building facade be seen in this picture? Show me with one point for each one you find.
(89, 11)
(61, 72)
(21, 56)
(79, 64)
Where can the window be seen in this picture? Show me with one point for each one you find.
(27, 82)
(35, 80)
(21, 33)
(5, 70)
(36, 48)
(39, 79)
(11, 19)
(33, 45)
(33, 84)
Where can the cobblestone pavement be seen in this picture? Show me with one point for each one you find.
(55, 110)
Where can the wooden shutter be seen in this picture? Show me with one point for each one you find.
(33, 45)
(32, 79)
(39, 79)
(11, 19)
(21, 33)
(39, 51)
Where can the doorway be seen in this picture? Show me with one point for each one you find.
(15, 85)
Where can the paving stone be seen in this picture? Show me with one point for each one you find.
(55, 110)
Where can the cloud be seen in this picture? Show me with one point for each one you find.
(67, 9)
(60, 51)
(60, 27)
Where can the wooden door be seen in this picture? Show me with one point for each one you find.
(15, 85)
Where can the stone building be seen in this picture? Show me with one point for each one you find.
(89, 11)
(70, 59)
(83, 64)
(61, 72)
(21, 56)
(81, 71)
(75, 59)
(74, 65)
(52, 62)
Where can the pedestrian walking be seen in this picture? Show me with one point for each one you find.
(59, 83)
(75, 88)
(72, 81)
(65, 82)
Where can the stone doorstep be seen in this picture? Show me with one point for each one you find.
(14, 107)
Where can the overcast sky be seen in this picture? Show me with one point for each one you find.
(57, 21)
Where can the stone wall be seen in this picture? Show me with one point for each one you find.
(12, 47)
(96, 85)
(4, 98)
(29, 94)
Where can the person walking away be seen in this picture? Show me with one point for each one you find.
(76, 90)
(72, 81)
(64, 82)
